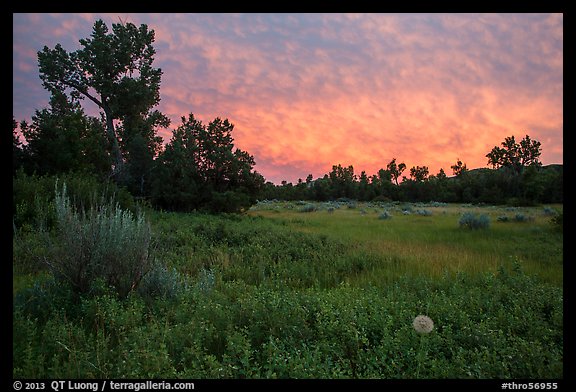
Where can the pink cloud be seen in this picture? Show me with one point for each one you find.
(312, 90)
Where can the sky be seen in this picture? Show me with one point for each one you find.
(309, 91)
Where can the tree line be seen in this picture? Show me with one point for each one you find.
(517, 177)
(533, 184)
(199, 168)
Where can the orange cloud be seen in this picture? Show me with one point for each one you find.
(307, 91)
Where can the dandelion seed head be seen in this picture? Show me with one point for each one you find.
(423, 324)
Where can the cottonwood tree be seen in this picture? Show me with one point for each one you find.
(459, 168)
(514, 155)
(114, 70)
(395, 170)
(419, 173)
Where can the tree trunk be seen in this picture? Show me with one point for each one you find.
(117, 154)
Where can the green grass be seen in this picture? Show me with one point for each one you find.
(432, 245)
(279, 293)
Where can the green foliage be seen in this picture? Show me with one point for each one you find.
(43, 298)
(62, 139)
(502, 325)
(114, 70)
(471, 221)
(534, 185)
(105, 243)
(245, 296)
(229, 202)
(33, 197)
(199, 169)
(161, 282)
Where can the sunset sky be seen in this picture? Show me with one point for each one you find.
(308, 91)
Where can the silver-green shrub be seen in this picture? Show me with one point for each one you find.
(470, 221)
(104, 243)
(162, 282)
(385, 215)
(308, 208)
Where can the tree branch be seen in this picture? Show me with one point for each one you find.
(83, 91)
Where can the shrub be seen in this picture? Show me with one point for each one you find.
(385, 215)
(470, 221)
(558, 221)
(161, 282)
(105, 243)
(44, 298)
(206, 280)
(522, 218)
(424, 212)
(29, 250)
(308, 208)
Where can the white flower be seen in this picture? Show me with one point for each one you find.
(423, 324)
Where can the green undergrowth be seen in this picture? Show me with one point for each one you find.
(489, 326)
(248, 296)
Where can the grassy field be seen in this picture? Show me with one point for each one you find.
(300, 290)
(426, 238)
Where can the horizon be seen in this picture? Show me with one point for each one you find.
(309, 91)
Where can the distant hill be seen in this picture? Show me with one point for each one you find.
(558, 168)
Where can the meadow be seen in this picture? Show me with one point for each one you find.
(309, 290)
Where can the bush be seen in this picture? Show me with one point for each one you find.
(105, 243)
(385, 215)
(549, 211)
(470, 221)
(42, 299)
(161, 282)
(308, 208)
(558, 221)
(522, 218)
